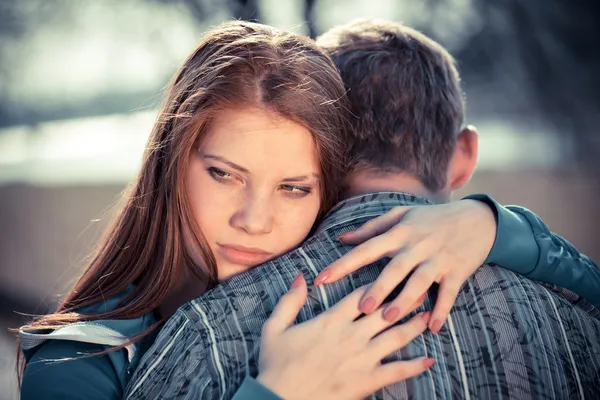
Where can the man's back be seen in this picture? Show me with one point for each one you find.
(507, 337)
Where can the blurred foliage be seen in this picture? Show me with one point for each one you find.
(537, 57)
(556, 44)
(17, 20)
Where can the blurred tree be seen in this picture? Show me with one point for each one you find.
(309, 18)
(535, 57)
(559, 48)
(543, 57)
(248, 10)
(17, 19)
(203, 10)
(244, 9)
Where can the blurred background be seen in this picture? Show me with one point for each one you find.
(80, 82)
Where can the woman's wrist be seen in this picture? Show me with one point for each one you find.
(486, 202)
(514, 247)
(487, 221)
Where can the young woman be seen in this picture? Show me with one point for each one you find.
(245, 156)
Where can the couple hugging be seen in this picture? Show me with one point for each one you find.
(290, 235)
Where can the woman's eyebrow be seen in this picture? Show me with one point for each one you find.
(300, 178)
(226, 161)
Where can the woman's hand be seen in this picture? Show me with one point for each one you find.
(332, 356)
(444, 243)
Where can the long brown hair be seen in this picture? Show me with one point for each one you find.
(237, 63)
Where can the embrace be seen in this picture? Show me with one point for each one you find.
(291, 234)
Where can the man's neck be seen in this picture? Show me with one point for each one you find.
(368, 181)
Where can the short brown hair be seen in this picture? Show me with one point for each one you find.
(405, 93)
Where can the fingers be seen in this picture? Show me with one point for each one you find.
(374, 227)
(399, 336)
(372, 324)
(394, 273)
(420, 281)
(370, 251)
(449, 288)
(397, 371)
(287, 309)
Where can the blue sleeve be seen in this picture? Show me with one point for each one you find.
(525, 245)
(254, 390)
(83, 378)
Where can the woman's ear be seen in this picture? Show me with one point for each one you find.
(464, 159)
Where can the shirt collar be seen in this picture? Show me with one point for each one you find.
(368, 205)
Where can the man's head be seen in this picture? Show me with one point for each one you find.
(405, 93)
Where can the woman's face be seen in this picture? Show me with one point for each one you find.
(254, 187)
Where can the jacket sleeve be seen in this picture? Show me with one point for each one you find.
(525, 245)
(251, 389)
(49, 376)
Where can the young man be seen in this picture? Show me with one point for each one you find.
(506, 335)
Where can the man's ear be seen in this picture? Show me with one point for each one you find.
(464, 159)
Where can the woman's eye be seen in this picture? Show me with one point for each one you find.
(297, 191)
(219, 175)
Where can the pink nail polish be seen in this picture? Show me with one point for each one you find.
(367, 305)
(426, 316)
(391, 314)
(428, 362)
(436, 326)
(297, 281)
(345, 236)
(322, 277)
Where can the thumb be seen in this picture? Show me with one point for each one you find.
(287, 308)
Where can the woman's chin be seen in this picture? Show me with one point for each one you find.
(231, 270)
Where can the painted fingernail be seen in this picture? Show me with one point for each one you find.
(436, 326)
(345, 236)
(297, 281)
(322, 277)
(428, 362)
(391, 314)
(426, 316)
(367, 305)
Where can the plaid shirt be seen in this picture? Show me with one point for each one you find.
(506, 337)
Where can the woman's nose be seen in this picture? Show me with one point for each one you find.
(254, 216)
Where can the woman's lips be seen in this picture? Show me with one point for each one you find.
(243, 255)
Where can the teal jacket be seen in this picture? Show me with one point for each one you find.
(523, 244)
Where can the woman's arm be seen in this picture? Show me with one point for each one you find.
(83, 378)
(524, 244)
